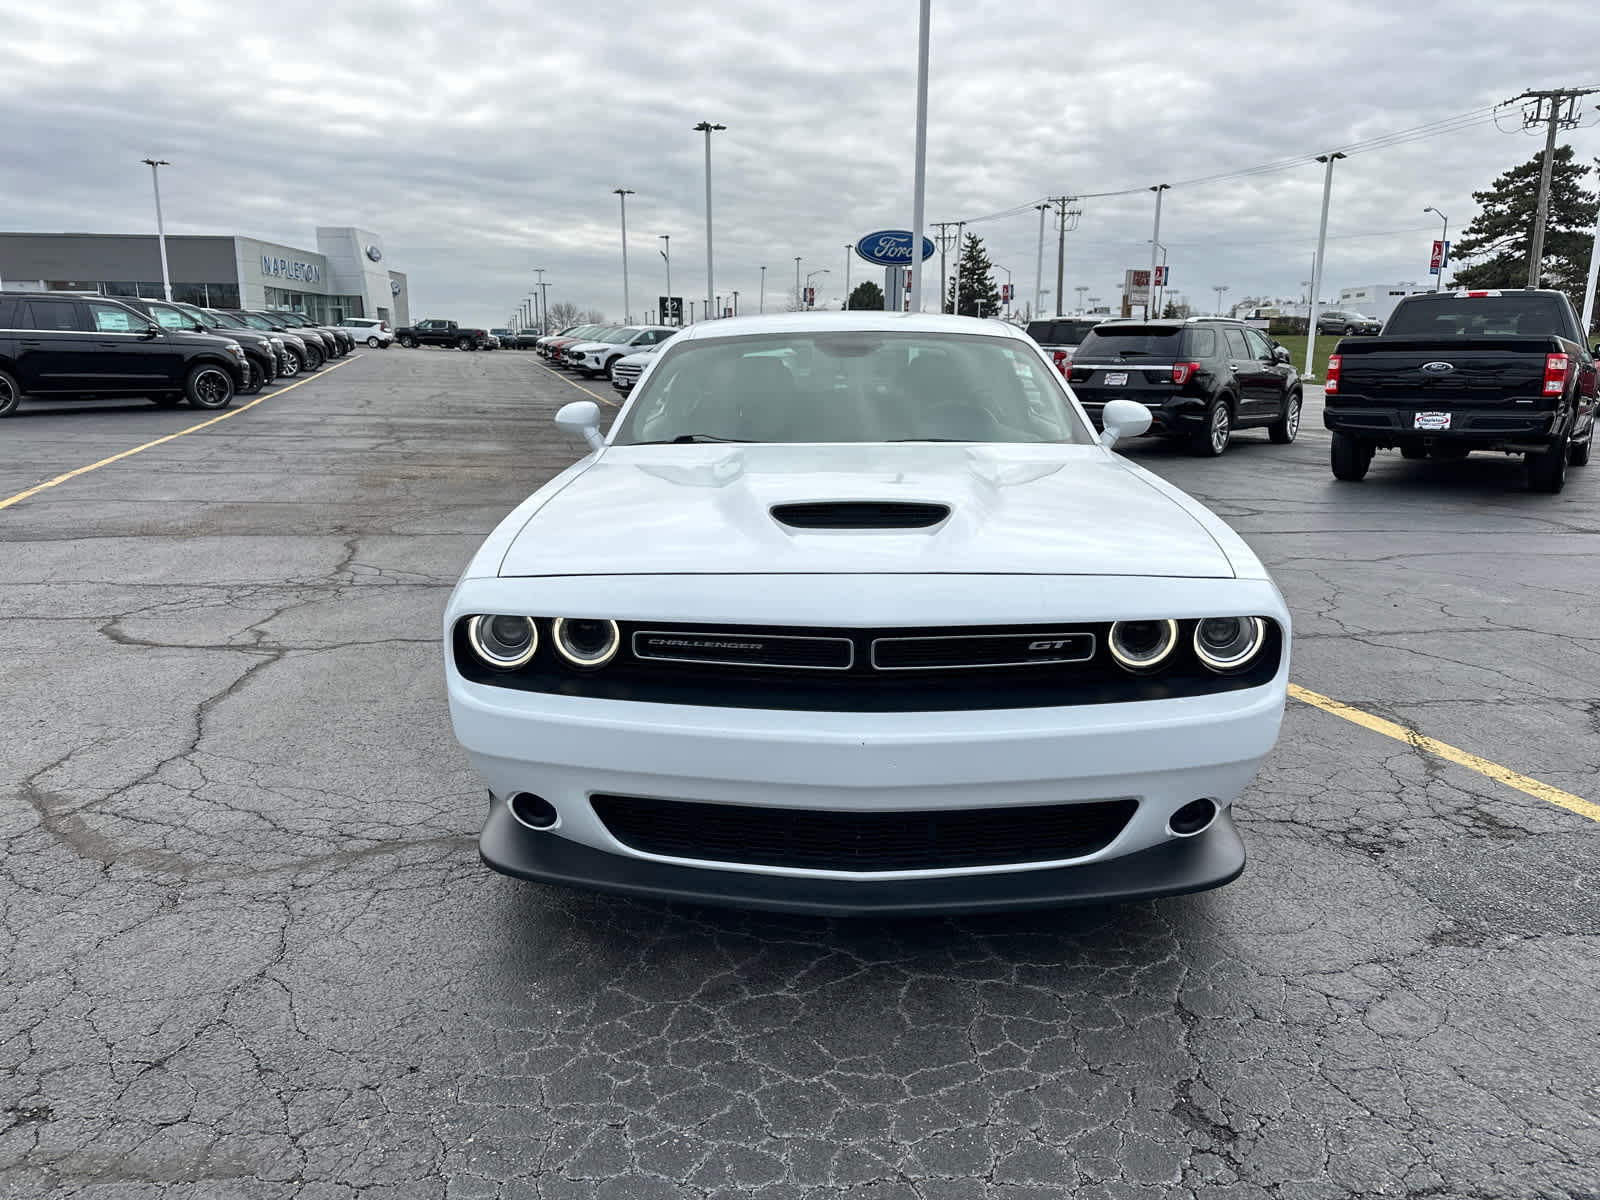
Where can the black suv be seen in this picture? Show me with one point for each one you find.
(261, 362)
(1201, 378)
(69, 346)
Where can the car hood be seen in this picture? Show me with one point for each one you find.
(591, 347)
(1014, 509)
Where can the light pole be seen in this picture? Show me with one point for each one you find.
(707, 128)
(736, 302)
(799, 296)
(847, 250)
(810, 275)
(1038, 269)
(1219, 288)
(763, 307)
(920, 169)
(544, 318)
(155, 165)
(1444, 245)
(666, 253)
(1155, 240)
(622, 195)
(1007, 270)
(1080, 289)
(1316, 271)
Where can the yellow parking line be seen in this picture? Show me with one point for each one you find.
(579, 386)
(232, 412)
(1540, 791)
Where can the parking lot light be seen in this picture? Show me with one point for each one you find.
(1316, 270)
(708, 129)
(155, 165)
(622, 195)
(1444, 245)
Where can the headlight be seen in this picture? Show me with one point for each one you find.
(504, 643)
(1229, 643)
(236, 350)
(277, 343)
(1143, 645)
(586, 643)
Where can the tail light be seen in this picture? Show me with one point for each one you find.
(1184, 371)
(1555, 374)
(1330, 385)
(1063, 361)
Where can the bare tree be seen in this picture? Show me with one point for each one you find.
(593, 317)
(563, 314)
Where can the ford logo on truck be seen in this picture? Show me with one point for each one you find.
(1438, 368)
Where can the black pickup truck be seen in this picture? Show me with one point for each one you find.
(441, 333)
(1455, 372)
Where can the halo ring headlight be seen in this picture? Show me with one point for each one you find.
(1226, 644)
(585, 643)
(503, 642)
(1142, 645)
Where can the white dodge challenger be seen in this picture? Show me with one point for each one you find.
(853, 613)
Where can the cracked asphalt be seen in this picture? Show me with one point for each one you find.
(247, 950)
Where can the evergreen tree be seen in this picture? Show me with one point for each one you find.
(976, 275)
(1494, 247)
(866, 296)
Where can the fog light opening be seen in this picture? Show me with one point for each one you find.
(532, 812)
(1193, 818)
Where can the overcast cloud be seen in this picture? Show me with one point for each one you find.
(482, 140)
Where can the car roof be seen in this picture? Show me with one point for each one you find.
(855, 321)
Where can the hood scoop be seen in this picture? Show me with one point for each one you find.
(859, 514)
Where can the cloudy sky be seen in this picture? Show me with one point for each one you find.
(483, 139)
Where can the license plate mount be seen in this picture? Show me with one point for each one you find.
(1116, 379)
(1431, 422)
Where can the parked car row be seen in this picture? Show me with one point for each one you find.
(84, 345)
(592, 350)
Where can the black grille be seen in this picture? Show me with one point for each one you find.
(863, 841)
(860, 514)
(989, 650)
(749, 649)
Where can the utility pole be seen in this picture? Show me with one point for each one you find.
(155, 165)
(1038, 266)
(1155, 243)
(1063, 213)
(1316, 270)
(1558, 109)
(961, 227)
(944, 228)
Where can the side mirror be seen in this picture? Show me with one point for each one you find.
(581, 419)
(1279, 354)
(150, 332)
(1123, 418)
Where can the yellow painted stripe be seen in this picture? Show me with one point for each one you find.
(579, 386)
(1541, 791)
(232, 412)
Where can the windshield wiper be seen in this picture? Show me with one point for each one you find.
(685, 438)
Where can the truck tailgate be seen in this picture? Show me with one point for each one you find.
(1463, 372)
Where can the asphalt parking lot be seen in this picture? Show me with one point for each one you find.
(247, 949)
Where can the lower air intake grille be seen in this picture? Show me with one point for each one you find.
(863, 841)
(860, 514)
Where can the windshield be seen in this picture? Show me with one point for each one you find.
(1478, 316)
(617, 337)
(851, 386)
(255, 321)
(1131, 341)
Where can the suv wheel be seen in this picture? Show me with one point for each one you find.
(1211, 441)
(1351, 458)
(314, 357)
(1285, 428)
(410, 343)
(253, 378)
(373, 342)
(1547, 470)
(1349, 330)
(10, 395)
(209, 386)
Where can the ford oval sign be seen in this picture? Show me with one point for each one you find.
(394, 287)
(891, 248)
(374, 254)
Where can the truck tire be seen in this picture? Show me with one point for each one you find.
(1578, 452)
(1350, 458)
(464, 343)
(209, 386)
(10, 395)
(1547, 470)
(1285, 428)
(410, 343)
(1212, 439)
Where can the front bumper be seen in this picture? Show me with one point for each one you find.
(1209, 860)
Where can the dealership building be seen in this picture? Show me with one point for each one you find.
(347, 275)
